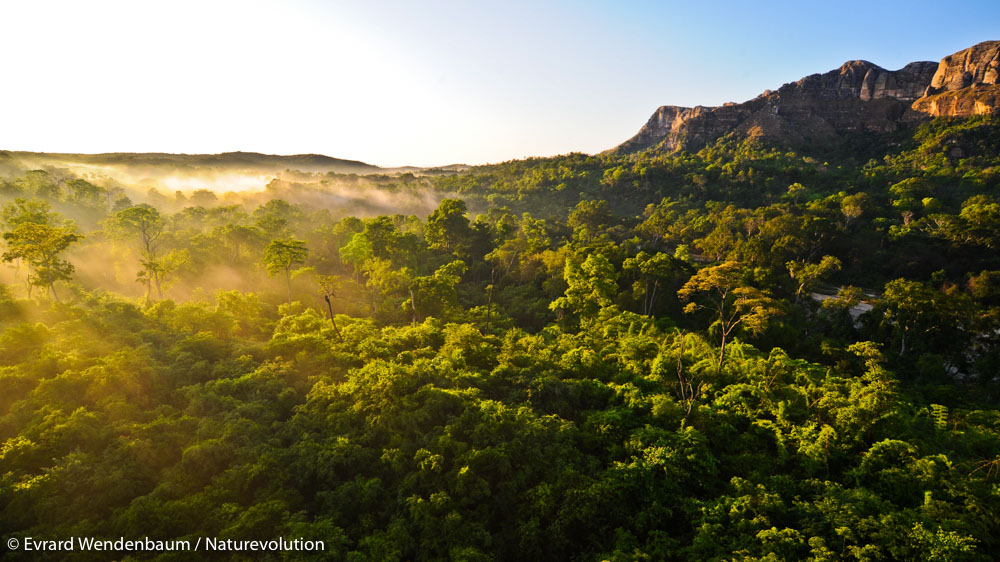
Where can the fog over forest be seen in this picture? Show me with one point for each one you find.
(744, 351)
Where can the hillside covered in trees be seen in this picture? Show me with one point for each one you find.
(736, 353)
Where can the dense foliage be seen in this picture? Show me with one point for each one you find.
(738, 353)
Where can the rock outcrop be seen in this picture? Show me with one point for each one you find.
(966, 83)
(976, 65)
(857, 97)
(977, 99)
(862, 80)
(661, 124)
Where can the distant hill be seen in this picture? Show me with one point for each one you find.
(817, 110)
(227, 161)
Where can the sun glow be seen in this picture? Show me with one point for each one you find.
(198, 77)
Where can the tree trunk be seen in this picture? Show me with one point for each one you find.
(722, 349)
(288, 280)
(413, 307)
(329, 307)
(489, 298)
(652, 298)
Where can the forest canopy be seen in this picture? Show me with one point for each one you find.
(742, 352)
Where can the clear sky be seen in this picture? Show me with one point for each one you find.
(402, 82)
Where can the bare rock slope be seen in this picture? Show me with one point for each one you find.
(857, 97)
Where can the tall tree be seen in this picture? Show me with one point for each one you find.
(329, 285)
(733, 303)
(653, 274)
(592, 286)
(39, 246)
(448, 228)
(434, 294)
(284, 255)
(146, 223)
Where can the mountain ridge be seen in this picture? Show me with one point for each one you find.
(859, 96)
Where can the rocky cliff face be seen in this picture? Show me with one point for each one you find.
(975, 65)
(977, 99)
(661, 124)
(857, 97)
(862, 80)
(966, 83)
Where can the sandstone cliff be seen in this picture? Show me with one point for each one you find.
(975, 65)
(977, 99)
(857, 97)
(966, 83)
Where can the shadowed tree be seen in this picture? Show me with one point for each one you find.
(653, 274)
(433, 295)
(239, 237)
(448, 228)
(917, 316)
(329, 285)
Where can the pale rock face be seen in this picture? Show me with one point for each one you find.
(857, 97)
(976, 65)
(966, 83)
(977, 99)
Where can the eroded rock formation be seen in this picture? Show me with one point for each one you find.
(857, 97)
(966, 83)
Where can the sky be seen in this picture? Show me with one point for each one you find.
(405, 82)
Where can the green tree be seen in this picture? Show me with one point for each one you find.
(653, 274)
(382, 234)
(733, 303)
(922, 318)
(145, 222)
(977, 224)
(283, 256)
(39, 246)
(356, 253)
(329, 285)
(433, 295)
(21, 211)
(592, 287)
(807, 275)
(448, 227)
(591, 218)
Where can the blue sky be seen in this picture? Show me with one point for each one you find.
(424, 83)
